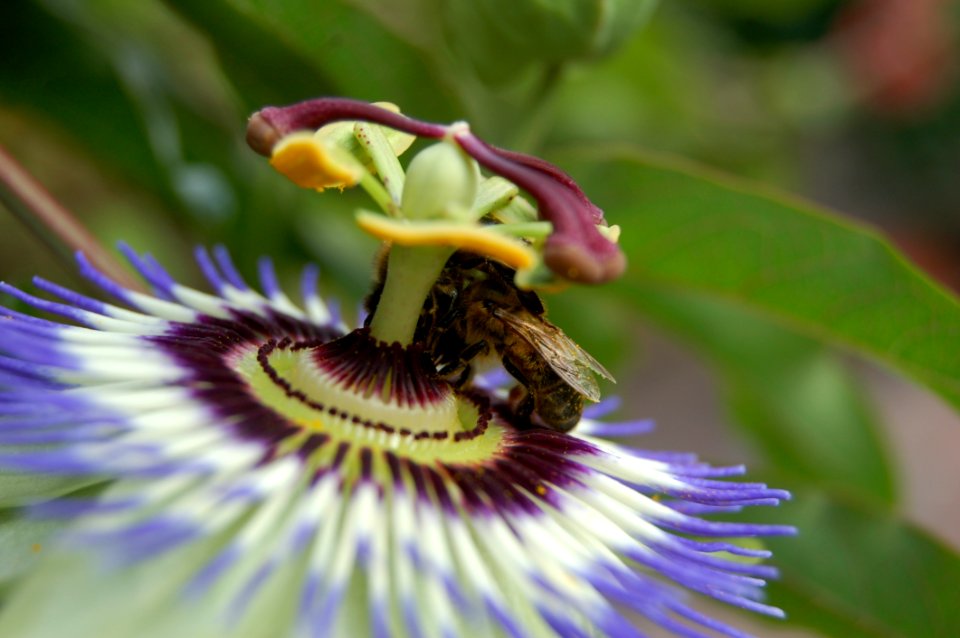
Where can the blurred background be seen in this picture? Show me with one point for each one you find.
(132, 115)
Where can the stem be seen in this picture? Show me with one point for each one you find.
(411, 274)
(53, 223)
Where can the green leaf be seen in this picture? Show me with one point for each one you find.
(793, 397)
(264, 67)
(859, 571)
(351, 50)
(416, 22)
(111, 75)
(53, 71)
(690, 229)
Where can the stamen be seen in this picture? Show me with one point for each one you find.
(309, 163)
(477, 239)
(575, 250)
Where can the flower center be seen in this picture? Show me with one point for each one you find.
(362, 390)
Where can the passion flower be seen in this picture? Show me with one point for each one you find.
(255, 467)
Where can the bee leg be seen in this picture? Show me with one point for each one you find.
(467, 355)
(522, 402)
(465, 375)
(514, 372)
(461, 367)
(521, 405)
(471, 351)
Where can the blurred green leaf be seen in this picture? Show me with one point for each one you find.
(690, 229)
(608, 331)
(352, 50)
(123, 94)
(111, 75)
(49, 68)
(796, 401)
(416, 22)
(855, 570)
(264, 67)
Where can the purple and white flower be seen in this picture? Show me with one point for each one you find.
(237, 464)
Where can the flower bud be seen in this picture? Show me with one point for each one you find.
(501, 39)
(442, 180)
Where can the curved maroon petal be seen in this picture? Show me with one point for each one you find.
(268, 125)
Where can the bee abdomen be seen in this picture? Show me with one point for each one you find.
(559, 408)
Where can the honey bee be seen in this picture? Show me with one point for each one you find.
(475, 310)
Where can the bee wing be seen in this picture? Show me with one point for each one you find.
(571, 362)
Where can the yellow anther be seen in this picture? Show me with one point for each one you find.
(477, 239)
(310, 163)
